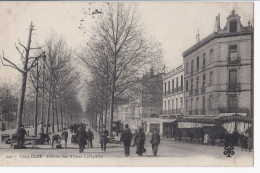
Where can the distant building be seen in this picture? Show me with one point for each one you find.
(218, 71)
(173, 85)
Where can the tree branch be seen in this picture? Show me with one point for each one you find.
(21, 44)
(11, 64)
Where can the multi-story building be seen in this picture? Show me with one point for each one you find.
(218, 71)
(173, 85)
(145, 103)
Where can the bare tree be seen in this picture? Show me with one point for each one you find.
(120, 45)
(27, 66)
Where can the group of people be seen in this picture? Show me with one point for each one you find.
(84, 137)
(139, 141)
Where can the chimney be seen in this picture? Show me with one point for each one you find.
(198, 36)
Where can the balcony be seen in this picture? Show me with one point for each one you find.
(180, 89)
(168, 92)
(190, 112)
(233, 110)
(196, 112)
(202, 112)
(191, 92)
(196, 91)
(234, 60)
(234, 86)
(203, 90)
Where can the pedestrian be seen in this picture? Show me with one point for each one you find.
(206, 138)
(65, 135)
(20, 136)
(135, 133)
(90, 137)
(127, 138)
(41, 127)
(103, 138)
(155, 141)
(250, 143)
(81, 135)
(140, 140)
(55, 138)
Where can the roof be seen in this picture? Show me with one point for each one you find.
(212, 37)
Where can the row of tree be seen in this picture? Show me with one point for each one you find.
(118, 53)
(51, 80)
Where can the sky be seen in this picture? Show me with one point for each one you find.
(174, 24)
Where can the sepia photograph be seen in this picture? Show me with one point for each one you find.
(136, 84)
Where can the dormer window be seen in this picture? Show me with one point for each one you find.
(233, 26)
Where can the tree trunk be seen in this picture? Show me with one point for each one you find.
(49, 110)
(43, 87)
(111, 114)
(36, 102)
(61, 115)
(24, 79)
(57, 115)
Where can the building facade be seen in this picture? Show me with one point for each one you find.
(173, 98)
(218, 71)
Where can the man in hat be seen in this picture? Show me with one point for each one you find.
(140, 140)
(155, 141)
(90, 137)
(65, 135)
(81, 135)
(127, 138)
(103, 138)
(20, 136)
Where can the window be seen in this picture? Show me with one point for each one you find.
(211, 78)
(198, 63)
(181, 102)
(233, 52)
(177, 82)
(191, 66)
(187, 86)
(186, 104)
(191, 84)
(165, 105)
(204, 80)
(169, 105)
(204, 60)
(232, 102)
(197, 84)
(191, 101)
(164, 86)
(203, 103)
(177, 104)
(172, 103)
(181, 80)
(172, 84)
(197, 101)
(210, 102)
(233, 26)
(187, 66)
(169, 85)
(211, 55)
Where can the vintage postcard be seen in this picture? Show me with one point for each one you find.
(93, 83)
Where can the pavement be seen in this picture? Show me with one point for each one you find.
(167, 149)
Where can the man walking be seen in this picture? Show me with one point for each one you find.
(127, 138)
(90, 137)
(65, 135)
(140, 140)
(103, 138)
(20, 136)
(81, 135)
(155, 141)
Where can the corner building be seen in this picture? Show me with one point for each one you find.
(218, 72)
